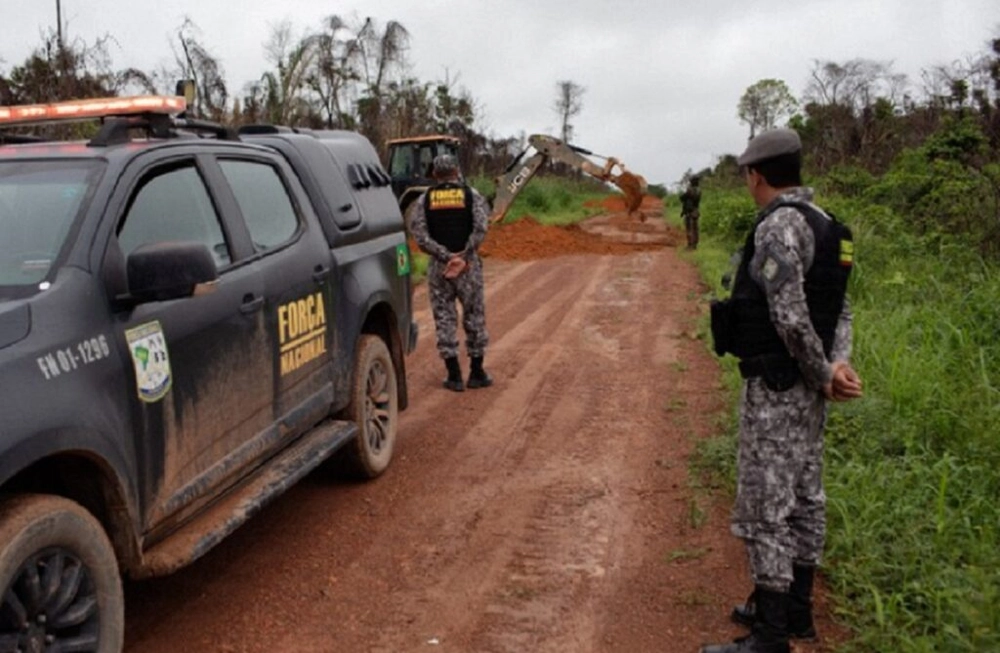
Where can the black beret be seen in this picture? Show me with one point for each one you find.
(769, 145)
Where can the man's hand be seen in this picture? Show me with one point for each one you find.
(456, 265)
(845, 383)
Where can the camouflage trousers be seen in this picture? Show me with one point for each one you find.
(780, 510)
(468, 290)
(691, 227)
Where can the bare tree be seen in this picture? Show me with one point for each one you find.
(381, 57)
(855, 84)
(198, 64)
(568, 104)
(334, 71)
(285, 89)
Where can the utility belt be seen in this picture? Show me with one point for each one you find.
(780, 372)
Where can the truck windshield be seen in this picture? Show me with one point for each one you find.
(39, 202)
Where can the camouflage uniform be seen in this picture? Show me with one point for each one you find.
(690, 200)
(467, 288)
(780, 509)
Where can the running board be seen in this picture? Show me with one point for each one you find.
(220, 519)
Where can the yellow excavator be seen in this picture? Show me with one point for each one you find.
(410, 161)
(547, 148)
(410, 168)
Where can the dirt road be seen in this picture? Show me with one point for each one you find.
(551, 512)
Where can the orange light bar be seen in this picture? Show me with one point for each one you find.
(29, 114)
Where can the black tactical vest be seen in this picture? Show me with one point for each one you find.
(690, 199)
(753, 333)
(448, 208)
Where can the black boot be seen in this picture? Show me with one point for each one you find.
(800, 615)
(770, 627)
(478, 378)
(454, 380)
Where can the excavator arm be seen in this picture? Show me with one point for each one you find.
(547, 148)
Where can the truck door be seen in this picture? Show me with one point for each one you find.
(203, 387)
(296, 263)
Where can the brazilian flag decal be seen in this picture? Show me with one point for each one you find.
(402, 259)
(846, 253)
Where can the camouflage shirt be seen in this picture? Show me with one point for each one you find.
(785, 247)
(418, 228)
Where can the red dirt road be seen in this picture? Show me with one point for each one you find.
(551, 512)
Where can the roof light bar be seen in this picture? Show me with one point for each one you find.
(33, 114)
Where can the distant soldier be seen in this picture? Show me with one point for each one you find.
(449, 223)
(690, 200)
(789, 323)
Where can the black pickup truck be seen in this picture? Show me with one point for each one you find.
(191, 319)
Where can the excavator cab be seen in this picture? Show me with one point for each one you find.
(411, 161)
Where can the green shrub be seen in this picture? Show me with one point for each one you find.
(846, 180)
(729, 215)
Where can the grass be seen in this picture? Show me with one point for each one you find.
(680, 555)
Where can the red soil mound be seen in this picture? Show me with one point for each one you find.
(527, 239)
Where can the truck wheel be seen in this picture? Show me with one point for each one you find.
(374, 407)
(61, 585)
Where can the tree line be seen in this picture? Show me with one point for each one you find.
(342, 74)
(863, 112)
(929, 151)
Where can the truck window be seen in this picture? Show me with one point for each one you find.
(38, 203)
(174, 205)
(267, 209)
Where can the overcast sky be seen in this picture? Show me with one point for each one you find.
(662, 78)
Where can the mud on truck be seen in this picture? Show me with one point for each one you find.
(191, 319)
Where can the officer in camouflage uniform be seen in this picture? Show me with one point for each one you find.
(690, 200)
(449, 222)
(789, 322)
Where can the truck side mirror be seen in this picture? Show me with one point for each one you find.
(170, 270)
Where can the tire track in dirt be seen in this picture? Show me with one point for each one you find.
(498, 442)
(512, 335)
(553, 502)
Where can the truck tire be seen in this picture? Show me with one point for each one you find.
(61, 586)
(374, 407)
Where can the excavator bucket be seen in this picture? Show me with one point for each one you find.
(634, 186)
(548, 148)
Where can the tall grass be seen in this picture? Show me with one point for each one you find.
(913, 555)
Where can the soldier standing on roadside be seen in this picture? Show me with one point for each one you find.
(690, 200)
(449, 223)
(789, 323)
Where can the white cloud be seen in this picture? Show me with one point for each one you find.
(662, 78)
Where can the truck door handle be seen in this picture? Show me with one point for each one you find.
(251, 304)
(344, 208)
(321, 274)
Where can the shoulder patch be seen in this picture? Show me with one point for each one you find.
(774, 268)
(770, 269)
